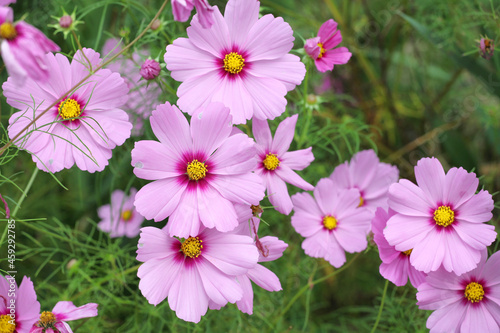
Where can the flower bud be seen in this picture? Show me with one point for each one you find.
(65, 21)
(150, 69)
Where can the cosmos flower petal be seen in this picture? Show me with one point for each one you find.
(67, 311)
(351, 230)
(162, 166)
(215, 211)
(181, 10)
(245, 188)
(203, 123)
(219, 287)
(274, 248)
(284, 135)
(396, 272)
(460, 186)
(341, 176)
(405, 232)
(245, 304)
(240, 17)
(479, 319)
(490, 270)
(476, 235)
(262, 133)
(264, 278)
(154, 284)
(197, 91)
(327, 30)
(211, 40)
(186, 60)
(27, 306)
(268, 96)
(417, 206)
(288, 69)
(298, 159)
(477, 209)
(316, 245)
(155, 243)
(335, 254)
(278, 194)
(232, 92)
(446, 319)
(235, 156)
(184, 220)
(289, 176)
(430, 177)
(362, 167)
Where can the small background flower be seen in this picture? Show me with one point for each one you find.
(55, 321)
(27, 308)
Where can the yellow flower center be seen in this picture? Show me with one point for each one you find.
(8, 31)
(233, 63)
(444, 216)
(47, 320)
(330, 222)
(361, 202)
(7, 324)
(271, 162)
(474, 292)
(192, 247)
(321, 51)
(407, 253)
(196, 170)
(69, 108)
(126, 215)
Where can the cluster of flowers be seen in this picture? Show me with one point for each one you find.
(20, 310)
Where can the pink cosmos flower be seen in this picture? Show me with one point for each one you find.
(395, 265)
(55, 321)
(332, 223)
(369, 176)
(81, 129)
(19, 308)
(143, 97)
(200, 170)
(276, 164)
(270, 248)
(241, 61)
(6, 2)
(120, 217)
(182, 10)
(441, 219)
(466, 303)
(321, 48)
(202, 269)
(23, 48)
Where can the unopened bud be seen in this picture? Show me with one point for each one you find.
(150, 69)
(156, 24)
(65, 21)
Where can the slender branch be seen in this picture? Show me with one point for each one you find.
(11, 141)
(381, 307)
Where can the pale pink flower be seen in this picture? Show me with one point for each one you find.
(83, 127)
(6, 2)
(150, 69)
(241, 61)
(182, 10)
(276, 163)
(466, 303)
(19, 308)
(270, 248)
(23, 48)
(321, 48)
(395, 265)
(120, 217)
(371, 177)
(200, 170)
(441, 219)
(55, 321)
(143, 97)
(332, 222)
(196, 273)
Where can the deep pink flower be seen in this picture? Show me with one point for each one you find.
(441, 219)
(19, 308)
(270, 248)
(486, 47)
(120, 217)
(150, 69)
(395, 265)
(55, 321)
(182, 10)
(276, 163)
(332, 222)
(196, 273)
(23, 48)
(321, 48)
(81, 129)
(241, 61)
(200, 170)
(466, 303)
(371, 177)
(143, 97)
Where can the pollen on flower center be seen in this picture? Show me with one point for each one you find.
(191, 247)
(233, 63)
(69, 108)
(321, 51)
(474, 292)
(407, 252)
(330, 222)
(271, 162)
(196, 170)
(361, 202)
(444, 216)
(8, 31)
(47, 320)
(126, 215)
(6, 325)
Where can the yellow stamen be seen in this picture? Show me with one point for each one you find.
(474, 292)
(271, 162)
(407, 253)
(321, 51)
(126, 215)
(69, 108)
(361, 202)
(233, 63)
(192, 247)
(196, 170)
(7, 324)
(8, 31)
(47, 320)
(330, 222)
(444, 216)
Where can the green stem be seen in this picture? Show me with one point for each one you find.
(381, 307)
